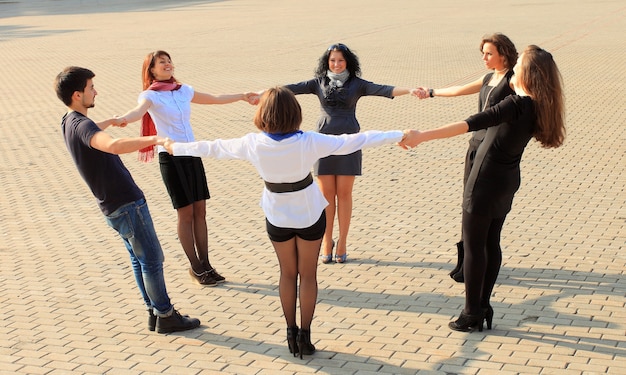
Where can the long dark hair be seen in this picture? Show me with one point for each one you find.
(352, 61)
(541, 79)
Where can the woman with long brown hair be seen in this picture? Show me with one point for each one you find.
(499, 55)
(535, 111)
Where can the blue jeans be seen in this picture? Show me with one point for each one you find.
(134, 224)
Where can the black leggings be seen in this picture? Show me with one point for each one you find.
(483, 258)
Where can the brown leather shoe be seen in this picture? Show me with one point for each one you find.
(203, 279)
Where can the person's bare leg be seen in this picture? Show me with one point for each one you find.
(307, 251)
(345, 185)
(288, 281)
(327, 185)
(186, 237)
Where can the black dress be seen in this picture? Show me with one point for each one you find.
(338, 116)
(495, 175)
(487, 97)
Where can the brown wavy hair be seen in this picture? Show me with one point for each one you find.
(541, 79)
(278, 111)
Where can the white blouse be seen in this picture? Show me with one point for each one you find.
(171, 111)
(287, 161)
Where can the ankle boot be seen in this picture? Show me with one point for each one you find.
(304, 343)
(468, 323)
(457, 273)
(292, 336)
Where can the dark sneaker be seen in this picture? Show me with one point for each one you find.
(176, 323)
(151, 320)
(219, 278)
(203, 279)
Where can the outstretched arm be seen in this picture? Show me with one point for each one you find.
(136, 113)
(105, 143)
(467, 89)
(204, 98)
(415, 137)
(116, 121)
(399, 91)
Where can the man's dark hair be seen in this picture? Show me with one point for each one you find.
(70, 80)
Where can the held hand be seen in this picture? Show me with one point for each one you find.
(119, 121)
(168, 144)
(422, 93)
(410, 139)
(251, 97)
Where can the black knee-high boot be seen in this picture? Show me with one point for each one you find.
(457, 273)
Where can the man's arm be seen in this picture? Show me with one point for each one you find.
(117, 121)
(104, 142)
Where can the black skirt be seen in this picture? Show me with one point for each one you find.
(184, 178)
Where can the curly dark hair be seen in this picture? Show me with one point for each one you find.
(352, 61)
(504, 46)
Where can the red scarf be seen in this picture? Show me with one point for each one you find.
(147, 125)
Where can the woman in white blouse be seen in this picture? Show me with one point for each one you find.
(292, 202)
(165, 109)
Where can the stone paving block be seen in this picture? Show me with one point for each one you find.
(65, 280)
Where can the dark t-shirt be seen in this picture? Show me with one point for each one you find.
(105, 174)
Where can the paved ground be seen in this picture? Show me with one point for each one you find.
(69, 304)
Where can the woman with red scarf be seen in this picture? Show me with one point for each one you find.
(165, 109)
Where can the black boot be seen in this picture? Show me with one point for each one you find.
(292, 336)
(457, 273)
(468, 323)
(304, 343)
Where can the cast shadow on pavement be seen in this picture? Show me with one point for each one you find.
(532, 312)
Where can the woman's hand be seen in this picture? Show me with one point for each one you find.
(251, 97)
(168, 144)
(119, 121)
(410, 139)
(422, 93)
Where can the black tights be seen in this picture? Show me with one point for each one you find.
(298, 257)
(483, 257)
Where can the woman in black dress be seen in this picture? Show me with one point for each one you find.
(338, 86)
(499, 55)
(536, 110)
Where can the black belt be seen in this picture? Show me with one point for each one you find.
(288, 187)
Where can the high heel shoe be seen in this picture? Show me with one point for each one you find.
(488, 313)
(468, 323)
(292, 336)
(304, 343)
(328, 258)
(341, 258)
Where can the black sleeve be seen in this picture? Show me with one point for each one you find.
(304, 87)
(507, 110)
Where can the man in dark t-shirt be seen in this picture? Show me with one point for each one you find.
(123, 204)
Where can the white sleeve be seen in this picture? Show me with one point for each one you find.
(218, 149)
(348, 143)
